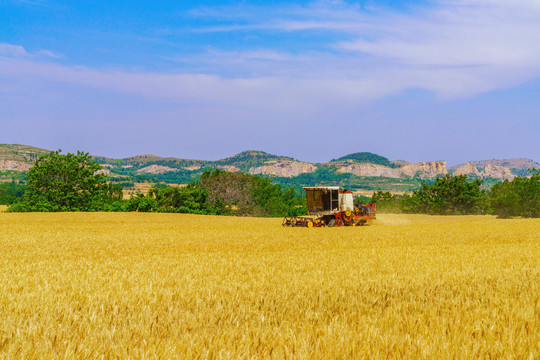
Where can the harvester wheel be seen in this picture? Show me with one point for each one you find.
(348, 213)
(310, 224)
(332, 223)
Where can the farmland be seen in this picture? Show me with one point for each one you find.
(92, 285)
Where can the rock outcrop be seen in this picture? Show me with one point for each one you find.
(12, 165)
(155, 169)
(368, 169)
(283, 168)
(497, 172)
(489, 171)
(423, 170)
(466, 169)
(106, 172)
(229, 168)
(512, 164)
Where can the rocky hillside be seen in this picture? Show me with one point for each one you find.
(423, 170)
(19, 158)
(489, 171)
(499, 169)
(13, 165)
(21, 153)
(283, 168)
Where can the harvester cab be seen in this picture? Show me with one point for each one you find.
(330, 206)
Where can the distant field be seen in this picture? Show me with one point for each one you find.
(369, 193)
(132, 285)
(142, 188)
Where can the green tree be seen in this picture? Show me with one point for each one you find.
(11, 192)
(190, 200)
(449, 195)
(386, 202)
(519, 197)
(142, 203)
(243, 194)
(70, 182)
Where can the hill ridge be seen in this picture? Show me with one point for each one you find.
(17, 157)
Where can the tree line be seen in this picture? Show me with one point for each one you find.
(75, 182)
(457, 195)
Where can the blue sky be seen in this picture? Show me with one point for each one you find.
(414, 80)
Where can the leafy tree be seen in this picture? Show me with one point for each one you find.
(11, 192)
(70, 182)
(142, 203)
(189, 199)
(231, 190)
(243, 194)
(386, 202)
(448, 195)
(519, 197)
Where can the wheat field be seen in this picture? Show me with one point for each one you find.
(169, 286)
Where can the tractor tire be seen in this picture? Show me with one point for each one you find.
(332, 223)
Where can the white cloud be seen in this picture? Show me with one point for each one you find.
(501, 33)
(454, 48)
(18, 51)
(50, 54)
(12, 50)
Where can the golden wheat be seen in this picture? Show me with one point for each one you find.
(161, 286)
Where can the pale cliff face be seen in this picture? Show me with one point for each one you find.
(230, 168)
(466, 169)
(424, 170)
(367, 169)
(106, 172)
(283, 168)
(11, 165)
(155, 169)
(490, 171)
(497, 172)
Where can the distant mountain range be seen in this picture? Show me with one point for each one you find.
(355, 168)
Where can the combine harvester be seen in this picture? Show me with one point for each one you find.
(332, 207)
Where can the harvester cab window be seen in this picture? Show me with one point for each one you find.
(330, 200)
(314, 200)
(322, 200)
